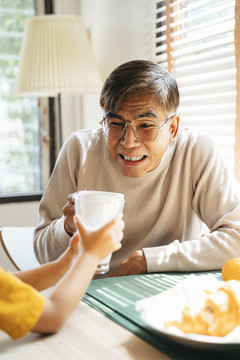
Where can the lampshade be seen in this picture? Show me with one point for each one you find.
(56, 58)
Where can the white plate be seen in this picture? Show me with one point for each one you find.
(167, 306)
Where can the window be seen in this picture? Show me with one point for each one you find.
(20, 169)
(195, 40)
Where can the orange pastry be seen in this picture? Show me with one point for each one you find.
(219, 315)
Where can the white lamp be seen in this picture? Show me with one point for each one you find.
(56, 58)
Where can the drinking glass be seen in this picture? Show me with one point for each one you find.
(97, 208)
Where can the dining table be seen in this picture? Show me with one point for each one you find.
(107, 326)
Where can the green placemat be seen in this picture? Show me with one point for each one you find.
(116, 297)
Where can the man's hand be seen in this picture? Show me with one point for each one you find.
(134, 264)
(69, 212)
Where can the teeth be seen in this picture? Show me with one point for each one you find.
(134, 158)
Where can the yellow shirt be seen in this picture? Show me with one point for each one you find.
(20, 305)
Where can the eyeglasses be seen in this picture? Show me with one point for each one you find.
(145, 130)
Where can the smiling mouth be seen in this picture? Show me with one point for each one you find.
(133, 158)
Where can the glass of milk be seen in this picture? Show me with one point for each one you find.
(97, 208)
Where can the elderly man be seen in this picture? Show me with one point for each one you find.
(173, 179)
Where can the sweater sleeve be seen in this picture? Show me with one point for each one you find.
(20, 305)
(216, 201)
(50, 237)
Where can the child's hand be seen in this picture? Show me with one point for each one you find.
(103, 241)
(74, 245)
(66, 260)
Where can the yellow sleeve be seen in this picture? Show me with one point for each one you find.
(20, 305)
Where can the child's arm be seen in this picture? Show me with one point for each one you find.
(49, 274)
(64, 299)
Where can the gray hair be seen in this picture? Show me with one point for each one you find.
(140, 76)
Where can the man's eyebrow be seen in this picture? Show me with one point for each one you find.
(147, 114)
(141, 116)
(110, 114)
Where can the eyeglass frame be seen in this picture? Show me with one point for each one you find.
(132, 124)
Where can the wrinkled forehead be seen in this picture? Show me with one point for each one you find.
(137, 97)
(139, 103)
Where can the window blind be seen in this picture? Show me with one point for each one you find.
(195, 41)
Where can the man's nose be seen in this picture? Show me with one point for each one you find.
(129, 140)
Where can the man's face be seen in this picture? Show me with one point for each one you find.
(135, 157)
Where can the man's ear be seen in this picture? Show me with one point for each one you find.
(173, 128)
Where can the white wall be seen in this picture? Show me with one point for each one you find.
(119, 31)
(19, 214)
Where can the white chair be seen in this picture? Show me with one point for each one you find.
(16, 249)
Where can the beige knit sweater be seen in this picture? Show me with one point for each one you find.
(164, 209)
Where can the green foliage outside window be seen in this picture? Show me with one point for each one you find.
(19, 123)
